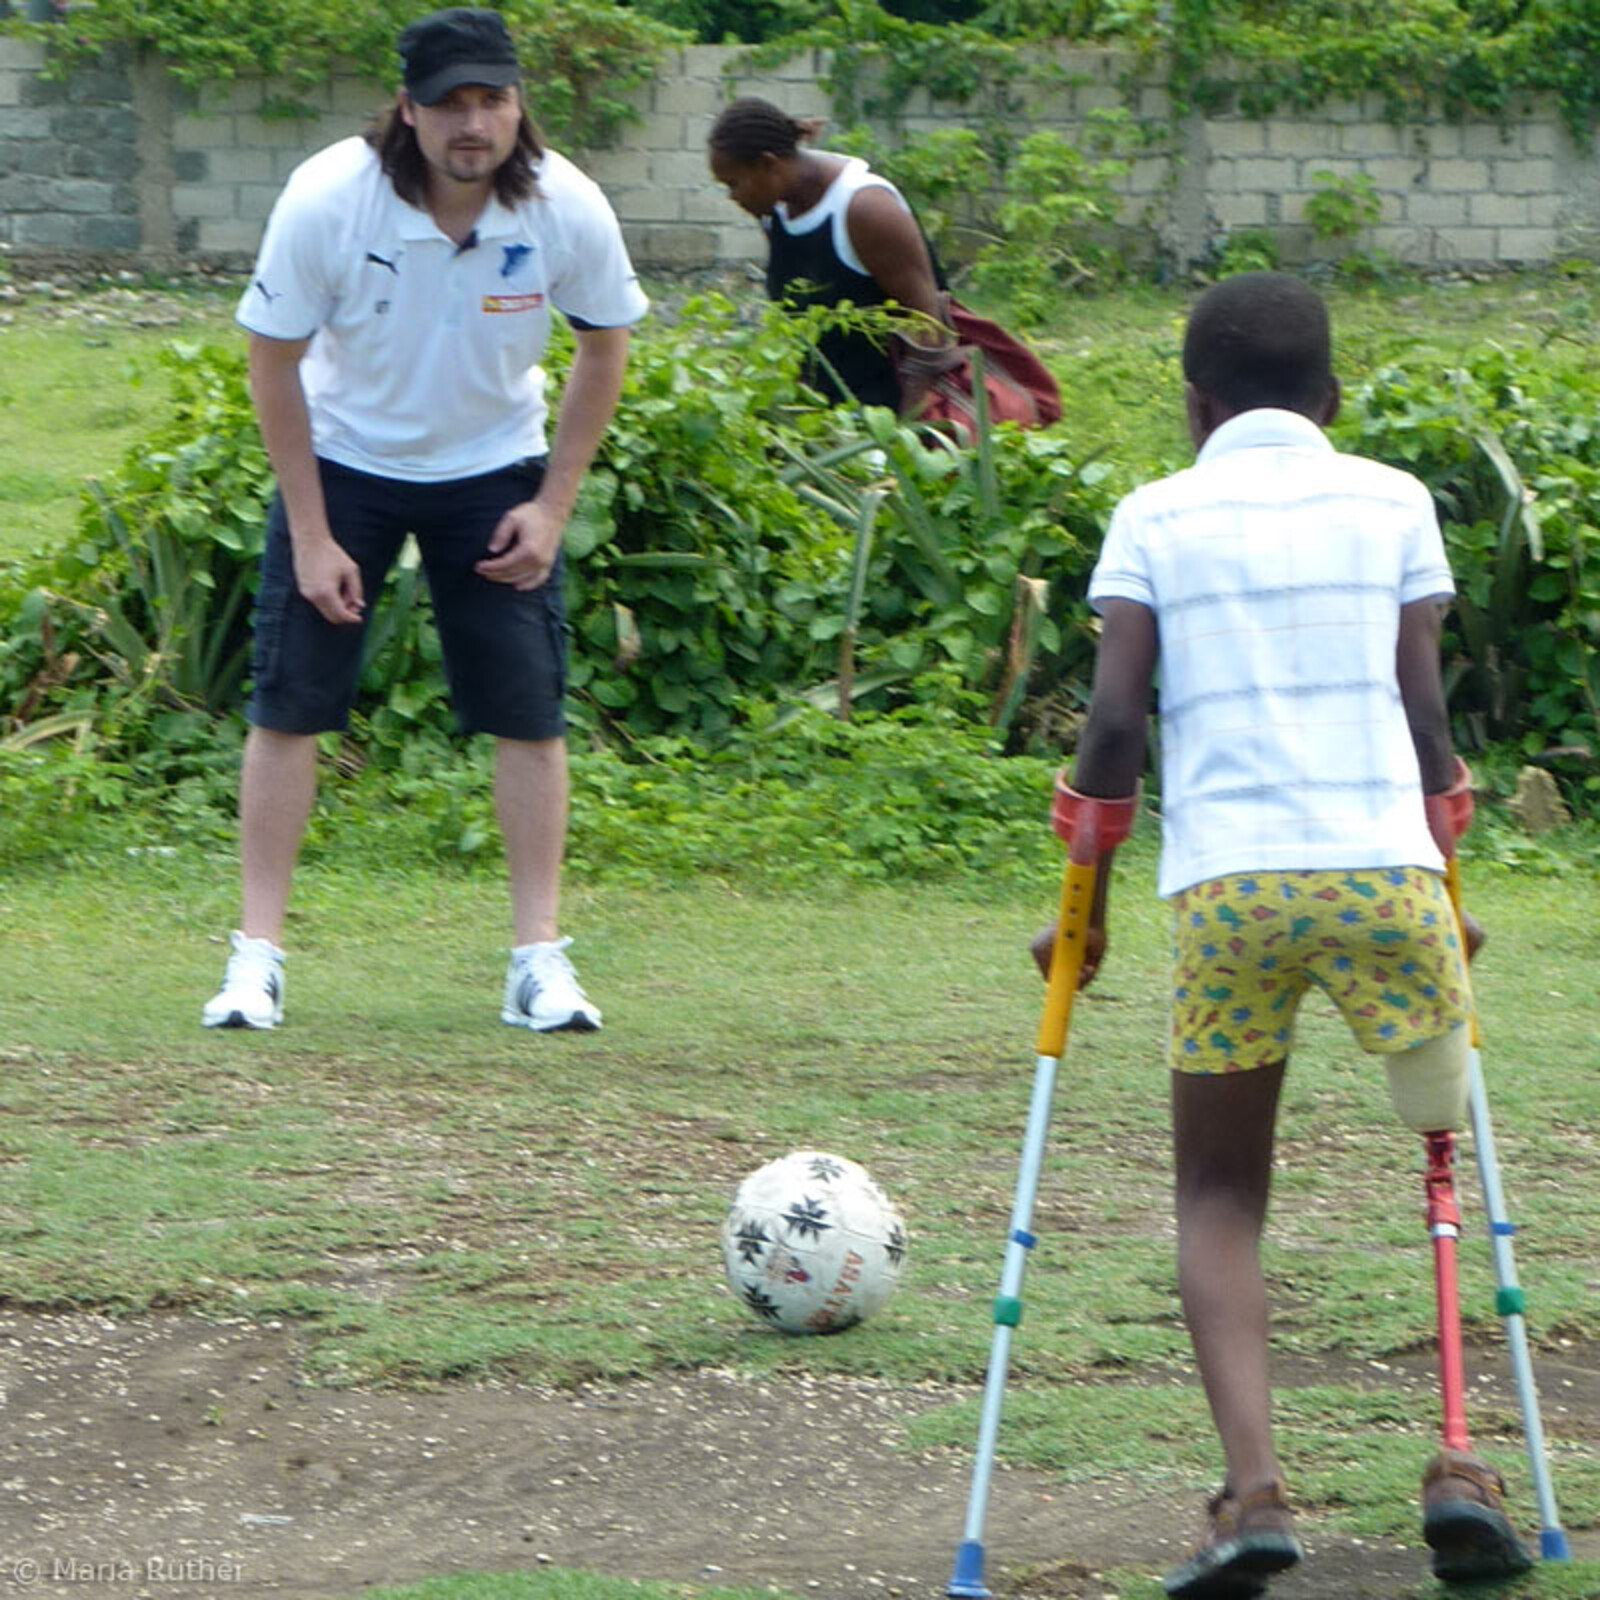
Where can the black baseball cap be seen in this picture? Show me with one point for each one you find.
(463, 44)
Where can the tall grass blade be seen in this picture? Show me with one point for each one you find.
(1031, 603)
(861, 560)
(76, 723)
(984, 453)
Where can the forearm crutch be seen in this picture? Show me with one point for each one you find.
(1093, 829)
(1449, 816)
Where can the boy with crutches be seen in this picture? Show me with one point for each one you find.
(1292, 596)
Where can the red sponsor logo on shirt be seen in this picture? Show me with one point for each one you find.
(497, 303)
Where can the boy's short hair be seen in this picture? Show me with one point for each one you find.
(1260, 339)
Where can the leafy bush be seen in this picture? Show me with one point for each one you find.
(696, 571)
(977, 568)
(752, 21)
(1246, 250)
(1511, 451)
(1031, 220)
(714, 562)
(913, 795)
(728, 21)
(134, 637)
(1342, 207)
(1057, 220)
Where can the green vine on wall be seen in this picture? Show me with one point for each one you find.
(1418, 57)
(876, 62)
(589, 58)
(585, 60)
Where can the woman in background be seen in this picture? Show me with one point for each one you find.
(836, 233)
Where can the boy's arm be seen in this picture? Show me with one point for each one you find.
(1111, 747)
(1422, 692)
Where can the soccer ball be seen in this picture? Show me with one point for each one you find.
(811, 1244)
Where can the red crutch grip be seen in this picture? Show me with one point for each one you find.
(1450, 813)
(1092, 827)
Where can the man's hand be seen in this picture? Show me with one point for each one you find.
(523, 547)
(330, 580)
(1094, 950)
(1472, 932)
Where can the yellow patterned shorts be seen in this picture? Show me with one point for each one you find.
(1381, 943)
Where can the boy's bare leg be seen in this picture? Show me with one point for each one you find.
(277, 785)
(1222, 1145)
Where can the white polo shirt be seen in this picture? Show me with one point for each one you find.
(1277, 568)
(424, 357)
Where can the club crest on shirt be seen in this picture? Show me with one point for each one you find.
(516, 259)
(498, 304)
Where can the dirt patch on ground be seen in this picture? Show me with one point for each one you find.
(169, 1456)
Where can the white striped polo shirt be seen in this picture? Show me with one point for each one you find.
(1276, 567)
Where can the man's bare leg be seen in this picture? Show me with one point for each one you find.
(530, 796)
(277, 787)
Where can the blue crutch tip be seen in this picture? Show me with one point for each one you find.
(1553, 1545)
(966, 1582)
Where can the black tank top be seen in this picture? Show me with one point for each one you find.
(804, 268)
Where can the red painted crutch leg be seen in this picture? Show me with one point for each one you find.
(1444, 1223)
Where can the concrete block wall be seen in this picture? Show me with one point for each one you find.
(68, 157)
(120, 162)
(231, 152)
(1451, 194)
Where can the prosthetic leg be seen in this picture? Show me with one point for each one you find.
(1093, 829)
(1444, 1225)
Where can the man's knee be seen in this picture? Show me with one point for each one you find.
(1429, 1086)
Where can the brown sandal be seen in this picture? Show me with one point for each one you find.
(1251, 1537)
(1464, 1521)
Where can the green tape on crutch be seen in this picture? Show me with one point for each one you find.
(1510, 1302)
(1008, 1310)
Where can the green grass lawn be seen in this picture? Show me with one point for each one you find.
(75, 392)
(547, 1208)
(431, 1197)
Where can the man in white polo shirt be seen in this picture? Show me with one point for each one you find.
(398, 314)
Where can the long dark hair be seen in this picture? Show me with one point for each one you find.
(403, 162)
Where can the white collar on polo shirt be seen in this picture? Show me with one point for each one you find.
(494, 223)
(1265, 427)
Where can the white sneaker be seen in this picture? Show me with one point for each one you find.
(251, 995)
(542, 992)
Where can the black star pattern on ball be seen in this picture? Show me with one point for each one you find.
(751, 1240)
(808, 1218)
(824, 1167)
(761, 1303)
(895, 1246)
